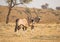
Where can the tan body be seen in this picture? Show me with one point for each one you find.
(22, 23)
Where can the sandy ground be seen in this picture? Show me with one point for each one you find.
(41, 33)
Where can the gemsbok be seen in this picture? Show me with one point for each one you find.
(22, 23)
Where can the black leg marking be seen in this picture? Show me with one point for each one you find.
(32, 27)
(15, 29)
(24, 28)
(16, 26)
(19, 27)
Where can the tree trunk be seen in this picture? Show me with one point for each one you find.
(7, 18)
(10, 7)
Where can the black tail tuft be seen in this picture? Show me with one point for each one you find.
(16, 26)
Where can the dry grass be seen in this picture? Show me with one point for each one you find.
(41, 33)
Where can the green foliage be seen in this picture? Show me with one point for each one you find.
(27, 1)
(21, 1)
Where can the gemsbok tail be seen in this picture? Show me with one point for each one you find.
(16, 26)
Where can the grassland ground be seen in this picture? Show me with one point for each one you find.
(41, 33)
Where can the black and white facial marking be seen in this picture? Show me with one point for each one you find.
(37, 19)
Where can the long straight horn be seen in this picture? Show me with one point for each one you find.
(35, 12)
